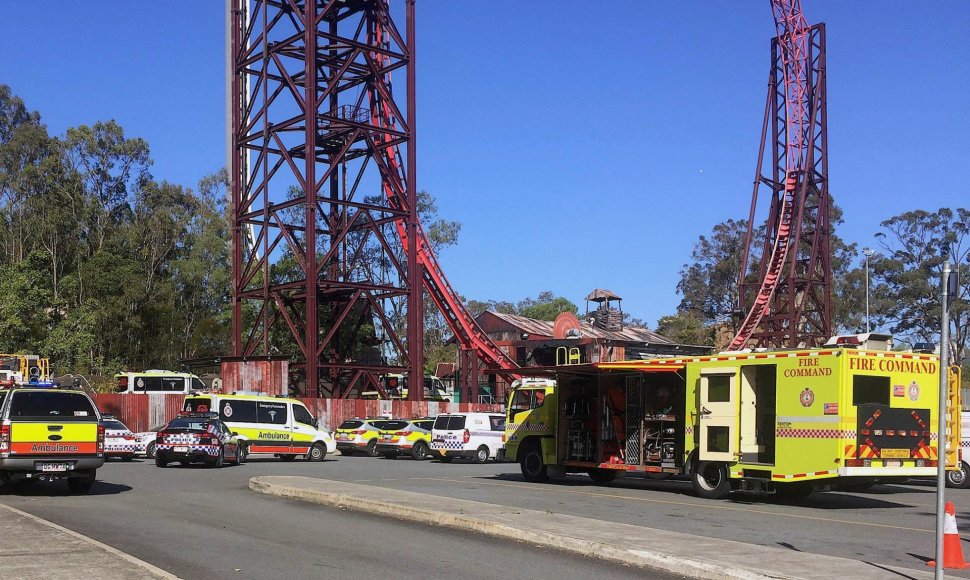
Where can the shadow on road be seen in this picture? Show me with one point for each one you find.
(820, 500)
(59, 489)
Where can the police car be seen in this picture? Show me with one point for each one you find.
(119, 441)
(476, 436)
(197, 438)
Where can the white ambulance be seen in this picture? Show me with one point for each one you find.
(476, 436)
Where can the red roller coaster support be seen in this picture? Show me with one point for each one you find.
(790, 304)
(322, 167)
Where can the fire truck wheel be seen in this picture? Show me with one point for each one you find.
(960, 478)
(533, 466)
(602, 475)
(710, 480)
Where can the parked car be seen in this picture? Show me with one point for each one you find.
(50, 433)
(355, 435)
(475, 436)
(119, 441)
(197, 438)
(406, 437)
(145, 441)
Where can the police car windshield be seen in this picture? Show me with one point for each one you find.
(189, 423)
(54, 405)
(115, 425)
(394, 425)
(350, 424)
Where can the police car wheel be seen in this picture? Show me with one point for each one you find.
(220, 459)
(710, 480)
(243, 452)
(150, 451)
(481, 454)
(420, 451)
(371, 448)
(317, 452)
(160, 461)
(960, 478)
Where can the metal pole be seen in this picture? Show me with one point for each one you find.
(867, 253)
(941, 428)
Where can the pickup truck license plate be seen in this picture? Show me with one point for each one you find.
(48, 467)
(181, 449)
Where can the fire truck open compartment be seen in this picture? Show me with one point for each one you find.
(632, 420)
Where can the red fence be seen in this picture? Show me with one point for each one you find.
(145, 412)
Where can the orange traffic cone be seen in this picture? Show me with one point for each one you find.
(952, 550)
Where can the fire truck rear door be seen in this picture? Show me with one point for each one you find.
(718, 415)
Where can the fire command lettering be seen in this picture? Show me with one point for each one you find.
(808, 367)
(891, 365)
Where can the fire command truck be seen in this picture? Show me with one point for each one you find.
(789, 422)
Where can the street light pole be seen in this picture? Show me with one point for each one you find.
(941, 417)
(868, 252)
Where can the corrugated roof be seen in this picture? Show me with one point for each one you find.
(544, 328)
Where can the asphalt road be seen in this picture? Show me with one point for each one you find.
(199, 522)
(889, 524)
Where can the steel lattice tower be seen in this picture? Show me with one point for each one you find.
(798, 311)
(323, 190)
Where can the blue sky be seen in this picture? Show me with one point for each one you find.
(581, 144)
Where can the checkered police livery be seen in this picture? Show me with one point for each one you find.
(476, 436)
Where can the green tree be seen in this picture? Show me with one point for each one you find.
(906, 276)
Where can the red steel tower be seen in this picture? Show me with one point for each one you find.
(330, 260)
(789, 303)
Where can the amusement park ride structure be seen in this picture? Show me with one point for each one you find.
(789, 305)
(328, 250)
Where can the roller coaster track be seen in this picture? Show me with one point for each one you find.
(468, 333)
(792, 34)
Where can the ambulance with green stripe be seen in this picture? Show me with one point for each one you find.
(264, 424)
(789, 422)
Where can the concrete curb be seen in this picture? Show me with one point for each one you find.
(149, 569)
(691, 556)
(586, 548)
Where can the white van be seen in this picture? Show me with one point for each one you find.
(475, 436)
(158, 381)
(264, 424)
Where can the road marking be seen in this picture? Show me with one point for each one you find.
(127, 557)
(683, 503)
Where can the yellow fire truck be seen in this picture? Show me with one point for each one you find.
(787, 422)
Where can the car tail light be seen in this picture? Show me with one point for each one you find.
(401, 433)
(466, 437)
(206, 440)
(358, 432)
(4, 440)
(858, 463)
(100, 438)
(503, 437)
